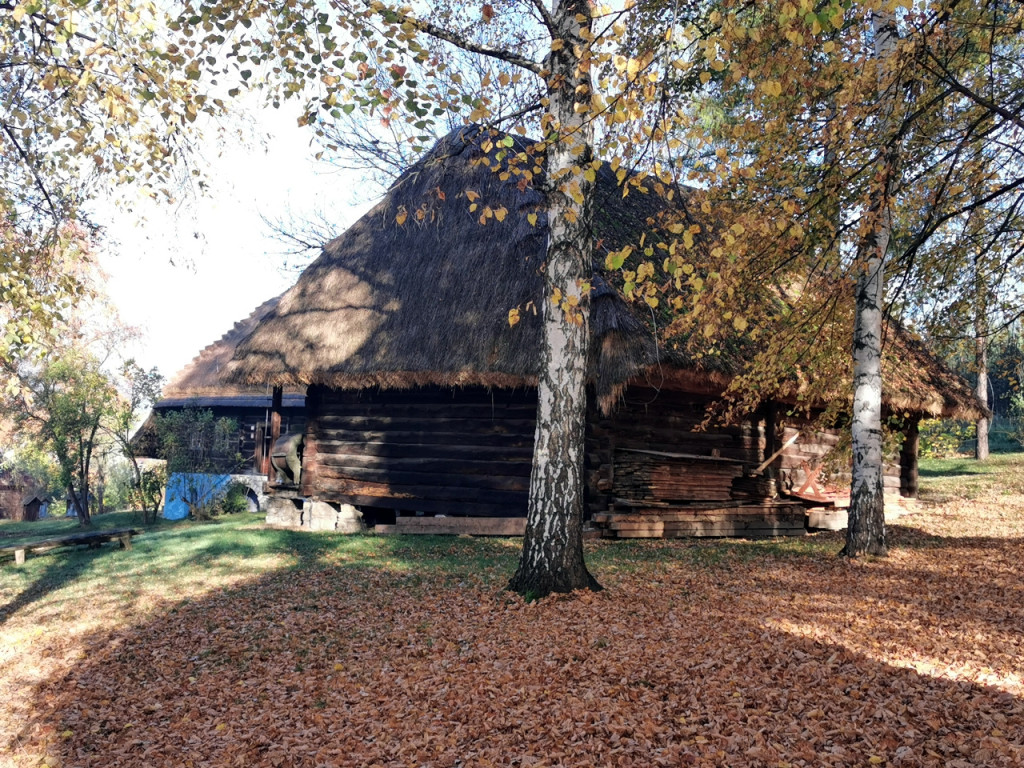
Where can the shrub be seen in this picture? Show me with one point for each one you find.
(941, 438)
(235, 500)
(1016, 430)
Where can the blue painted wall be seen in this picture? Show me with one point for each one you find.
(182, 485)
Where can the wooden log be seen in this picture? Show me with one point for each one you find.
(436, 506)
(447, 423)
(690, 457)
(432, 465)
(387, 478)
(411, 444)
(473, 526)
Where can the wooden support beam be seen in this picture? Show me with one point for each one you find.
(908, 460)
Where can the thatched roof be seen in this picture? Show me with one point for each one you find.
(200, 383)
(417, 292)
(915, 381)
(426, 301)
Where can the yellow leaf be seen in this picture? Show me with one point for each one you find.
(513, 317)
(557, 44)
(401, 216)
(500, 213)
(740, 324)
(532, 218)
(704, 78)
(876, 760)
(471, 195)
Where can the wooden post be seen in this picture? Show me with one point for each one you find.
(908, 460)
(771, 440)
(276, 405)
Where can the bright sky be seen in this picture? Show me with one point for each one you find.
(226, 262)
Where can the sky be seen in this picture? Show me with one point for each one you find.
(183, 276)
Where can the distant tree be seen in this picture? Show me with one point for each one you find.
(61, 405)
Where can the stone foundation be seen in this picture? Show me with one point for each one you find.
(305, 514)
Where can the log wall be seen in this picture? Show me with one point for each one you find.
(812, 451)
(464, 451)
(651, 449)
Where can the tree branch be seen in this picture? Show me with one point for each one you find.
(456, 39)
(545, 16)
(947, 77)
(35, 173)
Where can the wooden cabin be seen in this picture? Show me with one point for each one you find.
(421, 396)
(244, 453)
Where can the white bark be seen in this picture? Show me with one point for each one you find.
(981, 360)
(552, 558)
(865, 533)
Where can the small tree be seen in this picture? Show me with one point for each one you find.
(197, 447)
(61, 406)
(139, 389)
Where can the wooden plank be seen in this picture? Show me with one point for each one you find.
(473, 526)
(442, 506)
(91, 538)
(688, 456)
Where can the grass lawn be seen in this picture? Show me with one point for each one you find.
(225, 643)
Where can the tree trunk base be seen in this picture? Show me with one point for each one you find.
(536, 586)
(865, 532)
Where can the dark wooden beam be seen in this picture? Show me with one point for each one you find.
(908, 460)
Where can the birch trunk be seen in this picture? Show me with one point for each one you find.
(865, 532)
(552, 556)
(981, 360)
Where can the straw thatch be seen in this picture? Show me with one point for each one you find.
(916, 382)
(417, 292)
(426, 302)
(200, 383)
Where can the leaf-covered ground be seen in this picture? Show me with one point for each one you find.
(402, 654)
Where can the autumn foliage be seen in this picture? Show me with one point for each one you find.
(731, 654)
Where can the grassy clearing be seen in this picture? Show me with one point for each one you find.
(965, 478)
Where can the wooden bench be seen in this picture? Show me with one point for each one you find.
(91, 538)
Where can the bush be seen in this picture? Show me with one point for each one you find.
(941, 438)
(1016, 430)
(235, 500)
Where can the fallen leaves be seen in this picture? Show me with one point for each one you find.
(765, 658)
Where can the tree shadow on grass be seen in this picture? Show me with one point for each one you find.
(356, 664)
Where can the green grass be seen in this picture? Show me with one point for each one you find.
(967, 478)
(172, 560)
